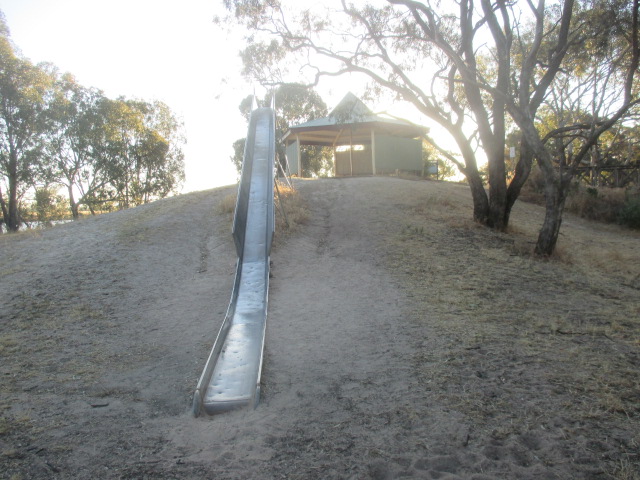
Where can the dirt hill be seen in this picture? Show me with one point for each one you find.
(403, 340)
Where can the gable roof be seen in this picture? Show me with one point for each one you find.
(352, 114)
(351, 110)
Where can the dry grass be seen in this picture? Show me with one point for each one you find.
(22, 233)
(513, 346)
(228, 203)
(602, 204)
(562, 334)
(292, 210)
(624, 470)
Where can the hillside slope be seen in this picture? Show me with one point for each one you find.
(402, 340)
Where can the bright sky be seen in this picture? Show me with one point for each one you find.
(155, 50)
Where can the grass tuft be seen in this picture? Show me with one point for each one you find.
(228, 203)
(602, 204)
(295, 210)
(625, 470)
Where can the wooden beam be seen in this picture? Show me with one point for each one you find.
(373, 151)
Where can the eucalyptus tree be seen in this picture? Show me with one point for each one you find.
(24, 91)
(158, 156)
(73, 141)
(592, 91)
(112, 153)
(140, 152)
(294, 104)
(420, 54)
(465, 65)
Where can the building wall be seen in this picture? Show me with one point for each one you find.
(292, 158)
(360, 159)
(395, 153)
(391, 154)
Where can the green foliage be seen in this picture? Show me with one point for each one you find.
(238, 153)
(630, 212)
(153, 159)
(316, 161)
(603, 204)
(105, 153)
(49, 205)
(24, 90)
(294, 104)
(563, 72)
(436, 166)
(610, 205)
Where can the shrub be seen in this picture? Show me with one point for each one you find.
(630, 212)
(295, 208)
(595, 203)
(602, 204)
(48, 205)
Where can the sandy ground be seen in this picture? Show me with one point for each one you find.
(403, 341)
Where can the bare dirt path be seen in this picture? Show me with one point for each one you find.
(402, 341)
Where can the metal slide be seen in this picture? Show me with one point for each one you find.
(231, 377)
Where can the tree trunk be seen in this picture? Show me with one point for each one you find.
(478, 193)
(13, 220)
(556, 184)
(556, 190)
(73, 205)
(523, 169)
(480, 200)
(497, 191)
(3, 206)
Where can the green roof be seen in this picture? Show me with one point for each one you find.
(352, 112)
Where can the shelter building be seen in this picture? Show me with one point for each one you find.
(363, 143)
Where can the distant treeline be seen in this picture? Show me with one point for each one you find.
(64, 146)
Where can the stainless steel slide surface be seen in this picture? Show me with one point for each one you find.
(231, 377)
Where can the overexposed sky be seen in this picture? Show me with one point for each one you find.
(149, 49)
(158, 50)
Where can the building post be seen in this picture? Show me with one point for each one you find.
(299, 157)
(351, 150)
(373, 151)
(334, 159)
